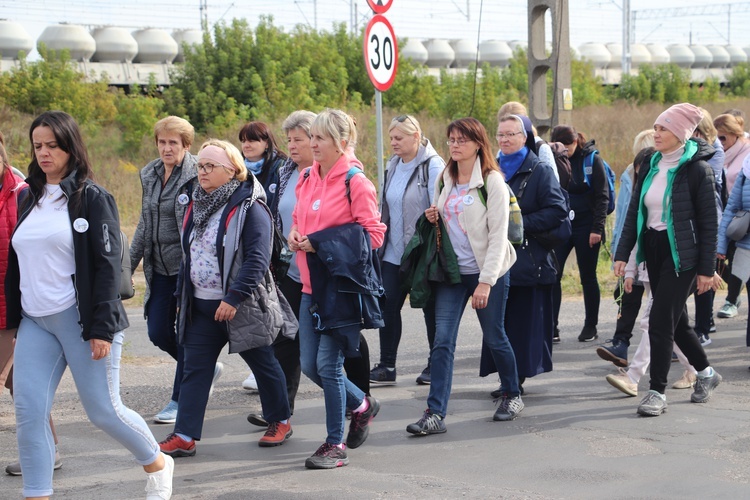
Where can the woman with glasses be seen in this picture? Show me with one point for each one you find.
(473, 201)
(407, 192)
(589, 197)
(227, 295)
(731, 134)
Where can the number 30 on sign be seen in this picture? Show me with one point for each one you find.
(381, 52)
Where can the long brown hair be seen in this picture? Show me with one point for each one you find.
(473, 130)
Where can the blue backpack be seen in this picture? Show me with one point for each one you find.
(588, 168)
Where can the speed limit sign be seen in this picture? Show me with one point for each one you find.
(381, 52)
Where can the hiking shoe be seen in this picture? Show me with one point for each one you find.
(508, 409)
(382, 375)
(653, 405)
(588, 333)
(430, 423)
(686, 381)
(617, 353)
(250, 384)
(359, 428)
(556, 336)
(622, 382)
(704, 386)
(276, 434)
(729, 310)
(328, 456)
(14, 469)
(218, 370)
(159, 483)
(424, 377)
(175, 446)
(257, 419)
(704, 339)
(168, 415)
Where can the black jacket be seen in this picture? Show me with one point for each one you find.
(693, 214)
(543, 207)
(345, 282)
(585, 198)
(97, 258)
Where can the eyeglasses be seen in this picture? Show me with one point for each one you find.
(458, 142)
(722, 138)
(207, 168)
(500, 137)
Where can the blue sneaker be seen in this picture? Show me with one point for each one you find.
(617, 353)
(168, 415)
(382, 375)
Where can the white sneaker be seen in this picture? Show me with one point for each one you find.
(159, 483)
(728, 310)
(250, 384)
(218, 370)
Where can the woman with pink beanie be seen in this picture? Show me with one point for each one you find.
(672, 218)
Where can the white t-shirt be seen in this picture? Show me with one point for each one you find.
(454, 206)
(46, 257)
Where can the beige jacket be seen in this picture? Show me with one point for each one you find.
(486, 227)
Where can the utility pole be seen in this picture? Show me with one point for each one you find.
(626, 37)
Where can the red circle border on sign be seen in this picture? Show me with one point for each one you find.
(379, 9)
(381, 86)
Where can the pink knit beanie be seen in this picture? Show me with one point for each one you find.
(681, 119)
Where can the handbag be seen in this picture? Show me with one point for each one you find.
(739, 225)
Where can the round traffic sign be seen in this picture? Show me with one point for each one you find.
(381, 52)
(380, 6)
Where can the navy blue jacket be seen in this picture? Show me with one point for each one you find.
(543, 208)
(346, 284)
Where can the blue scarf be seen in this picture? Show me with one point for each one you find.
(256, 167)
(510, 164)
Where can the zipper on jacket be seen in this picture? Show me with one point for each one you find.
(105, 238)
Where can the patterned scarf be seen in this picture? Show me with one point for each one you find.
(205, 204)
(255, 167)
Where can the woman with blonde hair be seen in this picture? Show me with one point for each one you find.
(227, 295)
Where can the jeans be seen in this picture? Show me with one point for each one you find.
(450, 301)
(204, 339)
(390, 334)
(161, 313)
(44, 348)
(587, 258)
(323, 363)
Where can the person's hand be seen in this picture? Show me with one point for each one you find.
(99, 348)
(305, 245)
(594, 239)
(294, 239)
(432, 214)
(705, 283)
(620, 268)
(718, 282)
(225, 312)
(480, 296)
(628, 285)
(721, 256)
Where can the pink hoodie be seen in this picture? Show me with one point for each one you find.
(322, 203)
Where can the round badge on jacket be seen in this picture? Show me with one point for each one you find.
(81, 225)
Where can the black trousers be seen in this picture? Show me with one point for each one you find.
(668, 321)
(630, 306)
(287, 350)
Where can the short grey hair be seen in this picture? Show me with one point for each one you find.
(301, 119)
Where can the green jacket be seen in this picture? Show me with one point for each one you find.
(424, 264)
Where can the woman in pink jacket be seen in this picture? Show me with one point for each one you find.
(323, 202)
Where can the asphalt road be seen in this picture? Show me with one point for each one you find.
(577, 438)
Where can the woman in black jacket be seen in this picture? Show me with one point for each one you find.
(672, 218)
(589, 197)
(64, 274)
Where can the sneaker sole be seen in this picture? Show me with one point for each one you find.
(422, 381)
(608, 356)
(312, 464)
(180, 453)
(622, 388)
(270, 444)
(256, 419)
(591, 339)
(650, 413)
(379, 382)
(421, 432)
(158, 420)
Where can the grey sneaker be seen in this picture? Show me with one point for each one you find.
(430, 423)
(424, 377)
(168, 415)
(704, 386)
(653, 405)
(328, 456)
(14, 469)
(729, 310)
(508, 409)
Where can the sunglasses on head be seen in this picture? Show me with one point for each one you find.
(403, 118)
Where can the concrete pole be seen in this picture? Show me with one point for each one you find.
(626, 37)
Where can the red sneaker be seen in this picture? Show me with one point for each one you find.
(276, 434)
(175, 446)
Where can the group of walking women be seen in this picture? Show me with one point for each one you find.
(206, 237)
